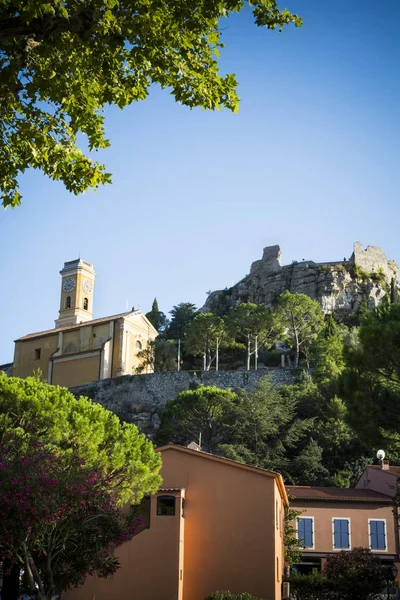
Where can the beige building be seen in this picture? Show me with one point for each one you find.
(335, 519)
(81, 349)
(216, 524)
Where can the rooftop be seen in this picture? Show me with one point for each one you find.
(31, 336)
(393, 470)
(332, 494)
(229, 462)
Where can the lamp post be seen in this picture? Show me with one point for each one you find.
(390, 574)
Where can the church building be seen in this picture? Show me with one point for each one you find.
(81, 349)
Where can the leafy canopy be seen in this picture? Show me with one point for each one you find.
(34, 409)
(203, 412)
(58, 517)
(302, 320)
(63, 61)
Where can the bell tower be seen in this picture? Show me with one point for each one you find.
(77, 285)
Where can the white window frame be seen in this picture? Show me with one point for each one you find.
(369, 536)
(305, 548)
(333, 533)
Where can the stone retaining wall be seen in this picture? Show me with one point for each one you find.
(138, 398)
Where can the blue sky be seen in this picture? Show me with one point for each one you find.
(311, 162)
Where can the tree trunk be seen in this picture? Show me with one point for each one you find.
(204, 361)
(248, 354)
(217, 356)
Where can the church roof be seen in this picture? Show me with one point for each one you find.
(54, 331)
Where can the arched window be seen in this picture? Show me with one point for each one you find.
(138, 345)
(85, 304)
(166, 506)
(68, 302)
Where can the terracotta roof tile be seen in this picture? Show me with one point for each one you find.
(332, 494)
(393, 470)
(31, 336)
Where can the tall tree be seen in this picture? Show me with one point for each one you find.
(181, 316)
(53, 415)
(156, 317)
(200, 414)
(266, 427)
(302, 320)
(371, 383)
(206, 334)
(255, 325)
(58, 518)
(62, 62)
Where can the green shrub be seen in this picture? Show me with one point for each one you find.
(379, 276)
(231, 596)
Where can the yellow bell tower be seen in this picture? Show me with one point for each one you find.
(77, 285)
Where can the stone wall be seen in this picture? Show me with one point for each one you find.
(138, 398)
(373, 259)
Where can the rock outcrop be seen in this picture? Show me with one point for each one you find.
(339, 286)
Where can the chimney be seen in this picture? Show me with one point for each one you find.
(385, 465)
(194, 446)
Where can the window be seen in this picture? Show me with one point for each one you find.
(138, 345)
(341, 534)
(37, 353)
(166, 506)
(377, 534)
(68, 302)
(305, 531)
(85, 304)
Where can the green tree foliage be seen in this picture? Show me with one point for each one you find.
(291, 542)
(357, 574)
(266, 429)
(181, 316)
(201, 413)
(58, 518)
(158, 355)
(343, 454)
(254, 325)
(206, 334)
(371, 383)
(32, 408)
(302, 320)
(62, 62)
(157, 318)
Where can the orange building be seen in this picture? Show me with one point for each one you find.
(215, 525)
(335, 519)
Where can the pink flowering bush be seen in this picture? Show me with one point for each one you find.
(58, 518)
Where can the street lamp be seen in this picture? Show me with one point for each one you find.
(390, 575)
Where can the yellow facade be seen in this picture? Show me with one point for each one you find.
(76, 353)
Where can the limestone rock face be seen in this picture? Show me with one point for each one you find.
(339, 287)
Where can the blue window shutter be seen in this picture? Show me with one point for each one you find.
(336, 534)
(374, 534)
(345, 533)
(381, 535)
(301, 531)
(341, 538)
(308, 530)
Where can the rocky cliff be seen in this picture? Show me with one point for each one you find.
(339, 286)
